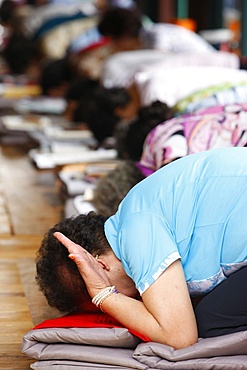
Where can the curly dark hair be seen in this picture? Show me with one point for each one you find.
(54, 74)
(19, 53)
(148, 117)
(7, 9)
(97, 109)
(57, 275)
(112, 188)
(120, 22)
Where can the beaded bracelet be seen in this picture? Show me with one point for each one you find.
(101, 296)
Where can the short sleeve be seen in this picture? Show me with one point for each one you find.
(145, 245)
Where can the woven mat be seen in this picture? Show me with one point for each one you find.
(5, 223)
(36, 301)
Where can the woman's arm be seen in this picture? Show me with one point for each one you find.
(165, 315)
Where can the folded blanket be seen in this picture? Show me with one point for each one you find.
(97, 341)
(219, 353)
(87, 341)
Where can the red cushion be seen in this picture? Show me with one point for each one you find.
(86, 320)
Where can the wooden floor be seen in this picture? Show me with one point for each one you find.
(29, 205)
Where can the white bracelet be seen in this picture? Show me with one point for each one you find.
(107, 291)
(101, 296)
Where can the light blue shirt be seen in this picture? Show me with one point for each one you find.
(193, 209)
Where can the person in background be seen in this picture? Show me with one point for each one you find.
(99, 109)
(109, 114)
(206, 129)
(56, 77)
(130, 143)
(90, 49)
(127, 32)
(78, 90)
(112, 188)
(22, 57)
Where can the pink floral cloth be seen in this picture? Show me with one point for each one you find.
(205, 129)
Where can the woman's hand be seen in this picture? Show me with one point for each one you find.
(165, 315)
(91, 270)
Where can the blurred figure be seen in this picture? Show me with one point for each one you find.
(127, 31)
(112, 188)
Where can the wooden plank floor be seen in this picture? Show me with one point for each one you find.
(29, 205)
